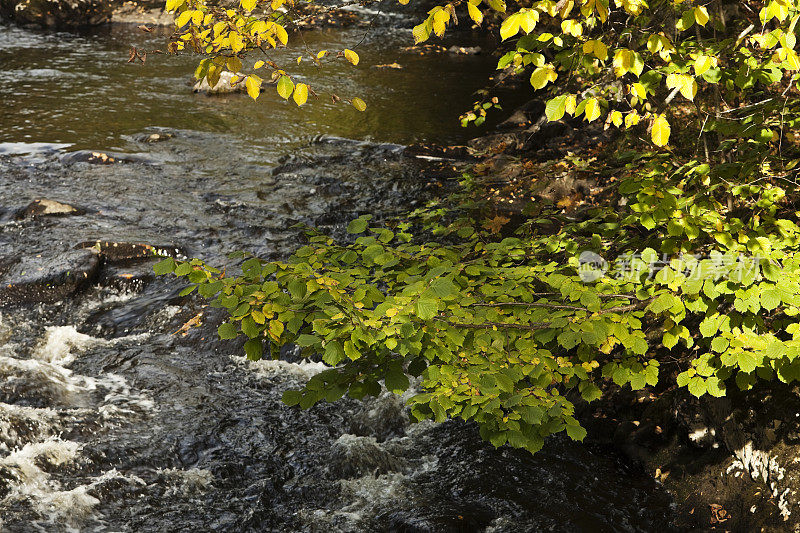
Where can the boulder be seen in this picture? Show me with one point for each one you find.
(47, 279)
(56, 13)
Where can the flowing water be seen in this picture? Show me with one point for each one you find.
(112, 420)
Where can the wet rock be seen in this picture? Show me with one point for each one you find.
(157, 137)
(465, 50)
(128, 277)
(353, 456)
(499, 143)
(524, 116)
(48, 279)
(101, 158)
(56, 13)
(121, 252)
(437, 152)
(142, 13)
(223, 86)
(45, 207)
(395, 65)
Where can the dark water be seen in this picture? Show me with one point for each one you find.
(110, 421)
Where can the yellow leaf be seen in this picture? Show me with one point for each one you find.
(440, 20)
(701, 65)
(600, 50)
(689, 88)
(654, 43)
(631, 119)
(542, 75)
(258, 65)
(623, 62)
(660, 132)
(592, 109)
(674, 80)
(172, 5)
(253, 85)
(792, 60)
(572, 27)
(359, 104)
(236, 43)
(474, 13)
(701, 15)
(280, 32)
(219, 27)
(616, 118)
(509, 27)
(321, 54)
(403, 2)
(640, 91)
(391, 312)
(183, 19)
(300, 94)
(351, 56)
(299, 59)
(528, 20)
(197, 17)
(569, 105)
(420, 33)
(248, 5)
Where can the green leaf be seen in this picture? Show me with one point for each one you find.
(443, 287)
(250, 327)
(746, 361)
(188, 290)
(697, 386)
(556, 107)
(305, 340)
(334, 353)
(165, 266)
(426, 309)
(396, 381)
(291, 397)
(576, 432)
(770, 298)
(356, 226)
(254, 349)
(227, 331)
(285, 87)
(591, 392)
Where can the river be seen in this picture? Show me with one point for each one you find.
(112, 420)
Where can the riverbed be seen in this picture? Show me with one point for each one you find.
(114, 419)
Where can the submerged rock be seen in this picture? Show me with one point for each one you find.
(48, 279)
(56, 13)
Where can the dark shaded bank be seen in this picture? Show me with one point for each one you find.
(732, 463)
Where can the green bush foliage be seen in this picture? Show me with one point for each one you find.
(700, 237)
